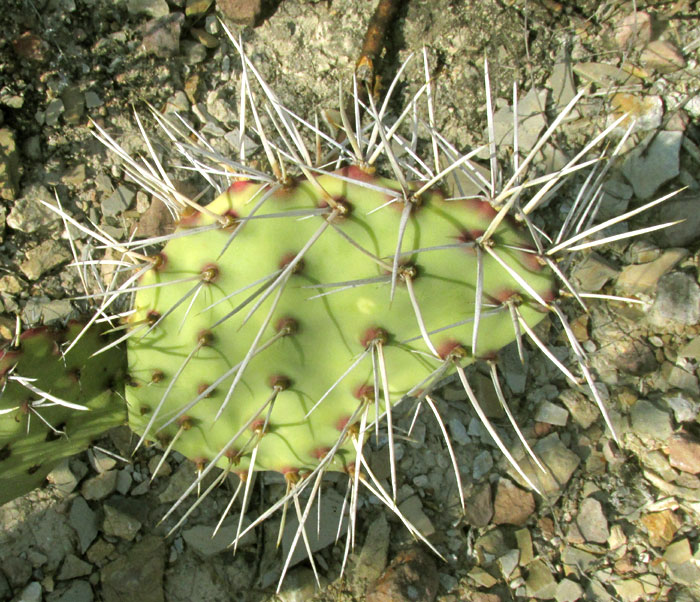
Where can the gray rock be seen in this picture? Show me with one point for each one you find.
(28, 215)
(568, 591)
(540, 583)
(31, 593)
(684, 407)
(99, 487)
(649, 422)
(559, 459)
(18, 570)
(119, 523)
(531, 121)
(319, 534)
(84, 521)
(200, 539)
(79, 591)
(118, 201)
(594, 272)
(583, 411)
(63, 479)
(43, 258)
(591, 521)
(684, 206)
(53, 111)
(101, 461)
(677, 301)
(371, 560)
(508, 562)
(73, 567)
(654, 162)
(577, 558)
(483, 463)
(458, 432)
(137, 575)
(551, 413)
(92, 100)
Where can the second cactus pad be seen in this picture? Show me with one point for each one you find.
(276, 312)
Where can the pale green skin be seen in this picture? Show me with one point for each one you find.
(28, 455)
(330, 327)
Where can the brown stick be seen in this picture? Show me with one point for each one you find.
(365, 68)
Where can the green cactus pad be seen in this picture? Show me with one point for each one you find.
(29, 448)
(192, 321)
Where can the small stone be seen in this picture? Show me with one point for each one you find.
(201, 539)
(119, 523)
(550, 413)
(100, 551)
(161, 37)
(568, 591)
(412, 509)
(540, 583)
(649, 422)
(690, 350)
(593, 272)
(205, 38)
(101, 461)
(560, 461)
(31, 593)
(524, 540)
(31, 47)
(319, 535)
(195, 8)
(661, 526)
(677, 301)
(634, 30)
(54, 110)
(63, 479)
(646, 112)
(512, 505)
(137, 575)
(118, 201)
(483, 463)
(605, 74)
(662, 56)
(9, 166)
(193, 52)
(684, 406)
(92, 100)
(629, 590)
(79, 591)
(591, 521)
(43, 258)
(28, 214)
(531, 121)
(578, 559)
(84, 522)
(152, 8)
(684, 453)
(371, 561)
(74, 105)
(412, 575)
(459, 433)
(644, 278)
(163, 471)
(583, 411)
(482, 577)
(18, 570)
(653, 162)
(682, 207)
(509, 562)
(73, 567)
(479, 507)
(241, 12)
(99, 487)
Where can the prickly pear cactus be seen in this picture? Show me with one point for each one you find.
(273, 315)
(53, 405)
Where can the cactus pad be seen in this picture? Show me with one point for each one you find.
(268, 319)
(53, 405)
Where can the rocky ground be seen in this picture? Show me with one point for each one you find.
(619, 522)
